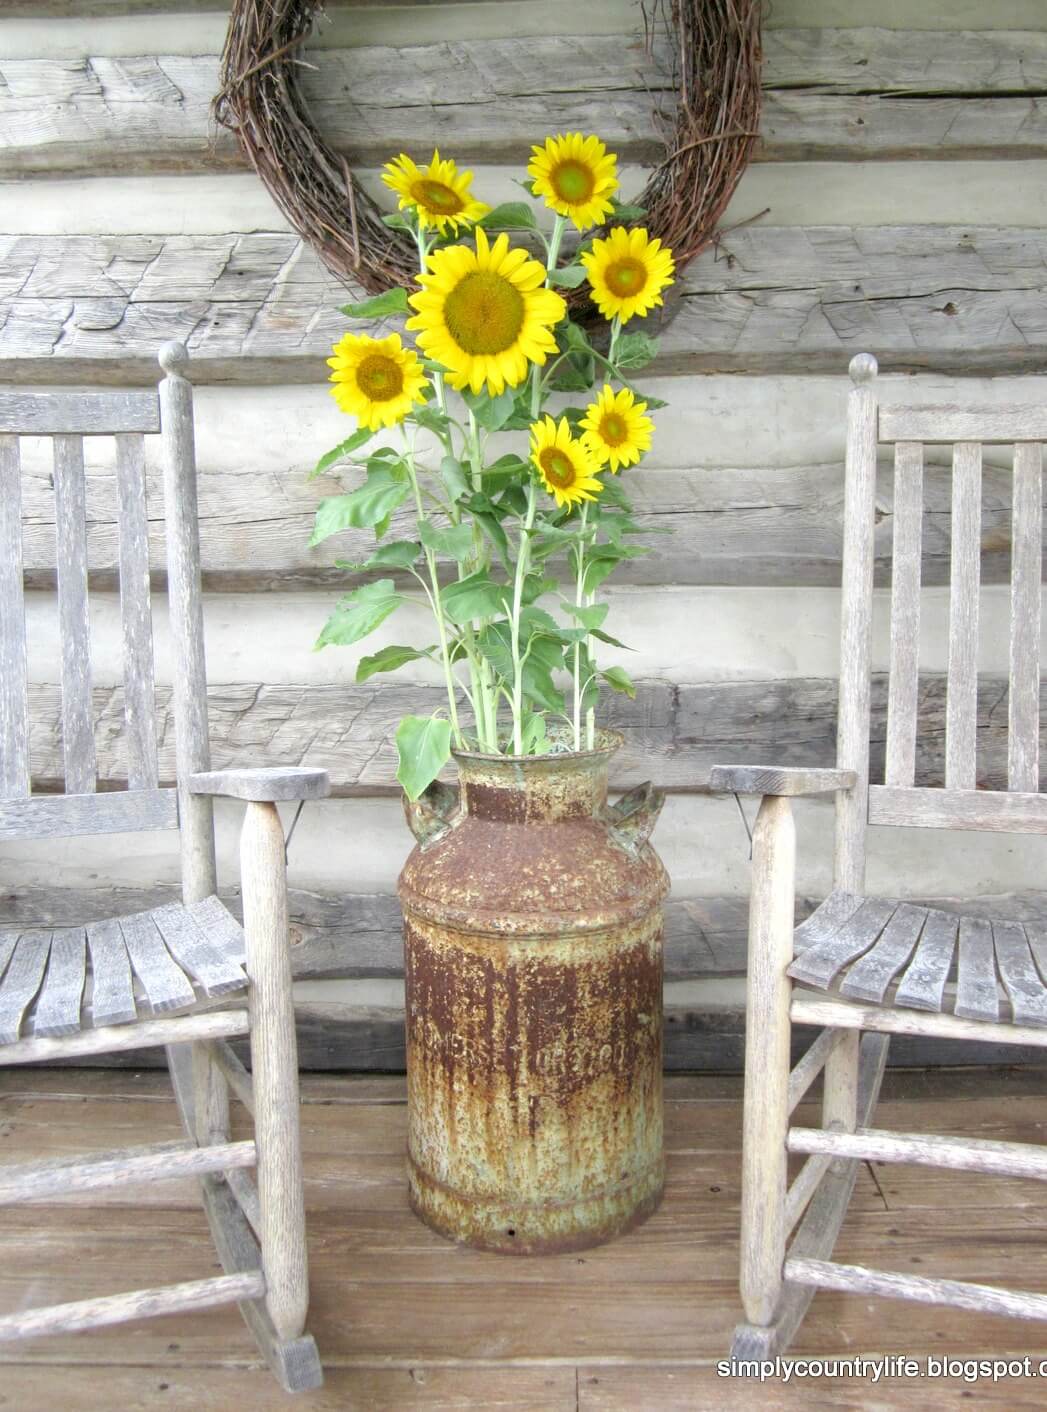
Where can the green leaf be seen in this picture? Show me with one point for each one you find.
(625, 212)
(498, 537)
(397, 222)
(393, 301)
(359, 613)
(606, 637)
(389, 659)
(538, 685)
(346, 448)
(453, 475)
(619, 680)
(423, 745)
(534, 585)
(596, 570)
(635, 350)
(401, 554)
(590, 617)
(432, 419)
(455, 542)
(492, 413)
(363, 508)
(511, 215)
(534, 738)
(568, 276)
(474, 597)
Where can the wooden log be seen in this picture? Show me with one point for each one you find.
(41, 1181)
(829, 94)
(957, 1154)
(674, 733)
(857, 1279)
(259, 307)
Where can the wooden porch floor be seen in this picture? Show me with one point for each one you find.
(405, 1321)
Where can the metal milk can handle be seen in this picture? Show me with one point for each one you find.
(633, 817)
(432, 814)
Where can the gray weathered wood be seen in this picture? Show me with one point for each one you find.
(958, 809)
(141, 1304)
(923, 984)
(112, 991)
(78, 744)
(185, 607)
(976, 990)
(1008, 1159)
(14, 710)
(873, 972)
(219, 926)
(1019, 975)
(166, 986)
(57, 1010)
(1023, 705)
(780, 780)
(8, 942)
(57, 816)
(94, 413)
(852, 751)
(949, 422)
(826, 920)
(213, 972)
(962, 705)
(819, 963)
(21, 981)
(263, 784)
(856, 1279)
(811, 1065)
(158, 1162)
(791, 299)
(985, 1033)
(139, 705)
(234, 1073)
(900, 768)
(140, 1037)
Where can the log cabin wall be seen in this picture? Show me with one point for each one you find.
(905, 172)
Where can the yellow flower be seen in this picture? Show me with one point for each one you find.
(577, 177)
(565, 466)
(485, 314)
(376, 380)
(628, 272)
(440, 193)
(615, 428)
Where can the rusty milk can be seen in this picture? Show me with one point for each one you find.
(533, 941)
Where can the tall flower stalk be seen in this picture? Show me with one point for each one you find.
(481, 539)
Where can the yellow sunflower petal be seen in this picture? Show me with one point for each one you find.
(376, 380)
(627, 273)
(576, 177)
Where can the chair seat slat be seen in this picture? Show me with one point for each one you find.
(8, 942)
(213, 972)
(923, 984)
(976, 994)
(1019, 975)
(870, 976)
(78, 742)
(21, 982)
(57, 1010)
(14, 707)
(165, 985)
(112, 994)
(817, 965)
(223, 929)
(825, 921)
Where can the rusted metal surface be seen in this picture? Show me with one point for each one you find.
(533, 957)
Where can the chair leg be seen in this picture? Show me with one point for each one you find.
(766, 1101)
(274, 1066)
(840, 1088)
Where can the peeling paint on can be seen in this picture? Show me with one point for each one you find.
(533, 957)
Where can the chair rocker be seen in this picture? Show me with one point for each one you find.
(878, 966)
(177, 975)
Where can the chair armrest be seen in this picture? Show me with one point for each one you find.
(263, 785)
(770, 779)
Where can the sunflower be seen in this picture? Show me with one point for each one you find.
(485, 314)
(440, 193)
(577, 177)
(565, 466)
(615, 429)
(376, 380)
(628, 272)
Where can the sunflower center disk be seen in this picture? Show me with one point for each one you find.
(379, 378)
(558, 468)
(436, 197)
(613, 429)
(484, 313)
(572, 181)
(626, 277)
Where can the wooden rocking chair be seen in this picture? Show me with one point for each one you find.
(888, 968)
(115, 985)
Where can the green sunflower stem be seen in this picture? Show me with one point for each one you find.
(579, 599)
(555, 240)
(522, 565)
(616, 329)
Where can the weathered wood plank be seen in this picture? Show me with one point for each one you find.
(14, 718)
(78, 746)
(58, 1004)
(674, 732)
(1023, 764)
(258, 307)
(828, 94)
(60, 816)
(139, 684)
(905, 614)
(730, 526)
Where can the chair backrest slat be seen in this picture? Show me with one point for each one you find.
(94, 413)
(961, 710)
(1023, 715)
(139, 699)
(14, 705)
(78, 742)
(905, 614)
(944, 424)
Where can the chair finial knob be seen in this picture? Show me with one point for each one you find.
(863, 368)
(174, 358)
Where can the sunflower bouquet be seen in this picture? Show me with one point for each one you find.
(483, 535)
